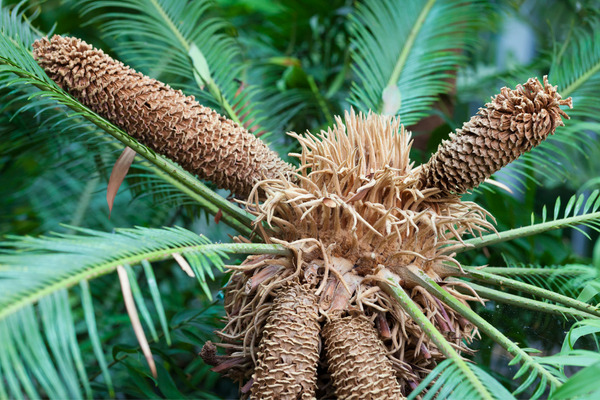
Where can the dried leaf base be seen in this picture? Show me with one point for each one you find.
(391, 335)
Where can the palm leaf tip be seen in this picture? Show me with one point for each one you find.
(170, 123)
(511, 124)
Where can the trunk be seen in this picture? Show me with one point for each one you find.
(170, 123)
(356, 360)
(289, 348)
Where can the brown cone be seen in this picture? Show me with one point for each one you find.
(170, 123)
(289, 349)
(513, 123)
(357, 362)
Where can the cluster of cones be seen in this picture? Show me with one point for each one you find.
(318, 324)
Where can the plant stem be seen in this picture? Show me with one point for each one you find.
(396, 291)
(511, 234)
(516, 271)
(532, 290)
(525, 359)
(523, 302)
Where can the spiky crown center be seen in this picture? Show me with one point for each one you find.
(359, 195)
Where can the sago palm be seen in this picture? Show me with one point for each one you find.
(353, 283)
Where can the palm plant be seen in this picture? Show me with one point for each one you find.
(359, 252)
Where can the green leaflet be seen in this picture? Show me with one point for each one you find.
(414, 46)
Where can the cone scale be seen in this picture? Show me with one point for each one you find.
(357, 362)
(289, 349)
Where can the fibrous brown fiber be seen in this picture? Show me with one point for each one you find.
(357, 192)
(513, 123)
(356, 360)
(289, 348)
(172, 124)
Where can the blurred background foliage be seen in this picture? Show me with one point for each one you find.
(299, 55)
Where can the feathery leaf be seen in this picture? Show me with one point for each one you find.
(446, 382)
(529, 365)
(575, 69)
(412, 48)
(31, 268)
(569, 219)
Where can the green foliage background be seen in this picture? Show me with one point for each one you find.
(298, 64)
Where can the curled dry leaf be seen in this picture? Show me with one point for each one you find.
(117, 175)
(184, 264)
(135, 319)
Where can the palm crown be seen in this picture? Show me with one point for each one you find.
(359, 249)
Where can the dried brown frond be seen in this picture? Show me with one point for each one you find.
(513, 123)
(170, 123)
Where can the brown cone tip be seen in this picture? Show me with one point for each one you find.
(289, 348)
(170, 123)
(357, 362)
(513, 123)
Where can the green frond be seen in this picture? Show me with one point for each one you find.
(575, 69)
(471, 384)
(566, 280)
(559, 155)
(580, 329)
(573, 307)
(582, 385)
(447, 382)
(579, 211)
(530, 370)
(577, 358)
(31, 268)
(405, 53)
(90, 321)
(43, 360)
(41, 270)
(567, 312)
(288, 85)
(14, 26)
